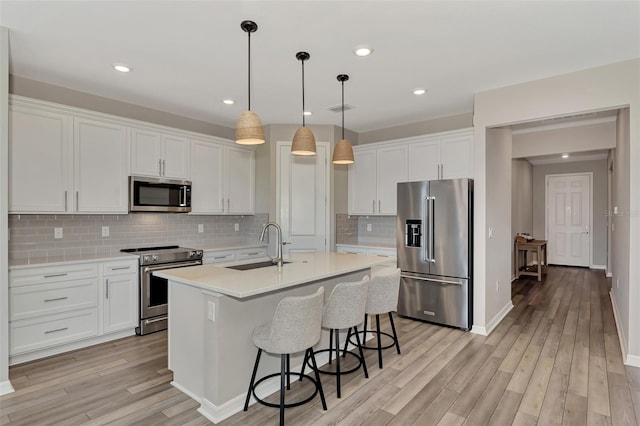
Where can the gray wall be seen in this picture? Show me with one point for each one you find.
(521, 199)
(5, 385)
(62, 95)
(599, 231)
(441, 124)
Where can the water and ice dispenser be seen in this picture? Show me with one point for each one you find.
(413, 233)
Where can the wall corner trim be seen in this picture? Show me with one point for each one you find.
(627, 358)
(491, 325)
(5, 387)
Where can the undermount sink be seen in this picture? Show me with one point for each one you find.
(249, 266)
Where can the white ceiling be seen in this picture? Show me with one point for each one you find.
(187, 56)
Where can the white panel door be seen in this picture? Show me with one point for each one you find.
(391, 168)
(362, 183)
(101, 167)
(40, 161)
(457, 157)
(424, 159)
(569, 219)
(240, 182)
(146, 152)
(207, 171)
(175, 157)
(120, 302)
(303, 196)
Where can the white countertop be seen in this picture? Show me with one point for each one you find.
(369, 245)
(62, 260)
(305, 267)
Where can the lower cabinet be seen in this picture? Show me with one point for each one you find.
(366, 250)
(53, 309)
(231, 255)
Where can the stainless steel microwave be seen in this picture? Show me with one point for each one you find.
(147, 194)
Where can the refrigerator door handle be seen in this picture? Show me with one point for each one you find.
(435, 280)
(432, 204)
(427, 234)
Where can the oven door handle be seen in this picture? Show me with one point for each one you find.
(165, 266)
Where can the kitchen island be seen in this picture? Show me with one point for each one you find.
(213, 311)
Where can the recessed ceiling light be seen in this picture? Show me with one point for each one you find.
(121, 67)
(565, 155)
(307, 113)
(363, 50)
(228, 101)
(420, 91)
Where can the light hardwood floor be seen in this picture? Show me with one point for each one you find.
(555, 359)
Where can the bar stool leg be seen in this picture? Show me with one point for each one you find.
(346, 343)
(288, 372)
(331, 345)
(315, 370)
(364, 363)
(379, 343)
(253, 379)
(395, 336)
(337, 361)
(283, 367)
(304, 365)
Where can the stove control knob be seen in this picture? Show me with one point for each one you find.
(155, 257)
(195, 253)
(146, 258)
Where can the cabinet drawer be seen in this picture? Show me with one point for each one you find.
(390, 253)
(52, 274)
(52, 330)
(251, 253)
(120, 267)
(219, 256)
(43, 299)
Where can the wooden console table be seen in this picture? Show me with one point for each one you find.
(540, 248)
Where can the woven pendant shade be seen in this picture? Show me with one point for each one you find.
(249, 129)
(304, 143)
(343, 152)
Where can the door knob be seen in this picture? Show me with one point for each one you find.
(284, 243)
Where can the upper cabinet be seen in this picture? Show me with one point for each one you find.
(379, 167)
(446, 156)
(223, 179)
(159, 154)
(373, 179)
(65, 164)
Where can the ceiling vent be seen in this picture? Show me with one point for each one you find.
(338, 108)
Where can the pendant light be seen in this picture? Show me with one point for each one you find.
(249, 127)
(304, 143)
(343, 152)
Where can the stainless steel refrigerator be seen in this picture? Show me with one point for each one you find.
(435, 251)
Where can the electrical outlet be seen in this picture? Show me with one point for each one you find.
(617, 283)
(105, 231)
(57, 233)
(211, 311)
(490, 232)
(236, 227)
(497, 286)
(200, 228)
(368, 227)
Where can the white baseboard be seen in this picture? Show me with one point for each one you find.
(186, 391)
(5, 388)
(486, 330)
(628, 359)
(599, 267)
(609, 274)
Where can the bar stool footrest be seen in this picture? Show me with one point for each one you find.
(363, 333)
(291, 404)
(342, 354)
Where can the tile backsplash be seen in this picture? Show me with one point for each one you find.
(32, 236)
(355, 229)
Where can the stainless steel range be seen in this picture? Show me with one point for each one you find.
(153, 291)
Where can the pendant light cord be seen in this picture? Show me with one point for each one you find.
(342, 109)
(249, 70)
(303, 120)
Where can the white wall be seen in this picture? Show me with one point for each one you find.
(570, 139)
(602, 88)
(521, 200)
(5, 385)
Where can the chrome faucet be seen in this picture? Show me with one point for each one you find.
(278, 259)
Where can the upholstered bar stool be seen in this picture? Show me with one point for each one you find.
(382, 298)
(344, 309)
(295, 327)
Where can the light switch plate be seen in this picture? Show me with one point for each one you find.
(105, 231)
(236, 227)
(211, 311)
(200, 228)
(57, 233)
(368, 227)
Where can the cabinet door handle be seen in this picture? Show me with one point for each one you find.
(56, 330)
(77, 203)
(374, 206)
(220, 257)
(255, 253)
(379, 206)
(65, 201)
(222, 204)
(164, 168)
(56, 275)
(228, 205)
(56, 299)
(121, 268)
(107, 288)
(159, 167)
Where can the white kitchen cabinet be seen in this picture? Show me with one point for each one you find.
(40, 160)
(65, 164)
(441, 156)
(159, 154)
(373, 179)
(120, 295)
(233, 254)
(100, 170)
(223, 179)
